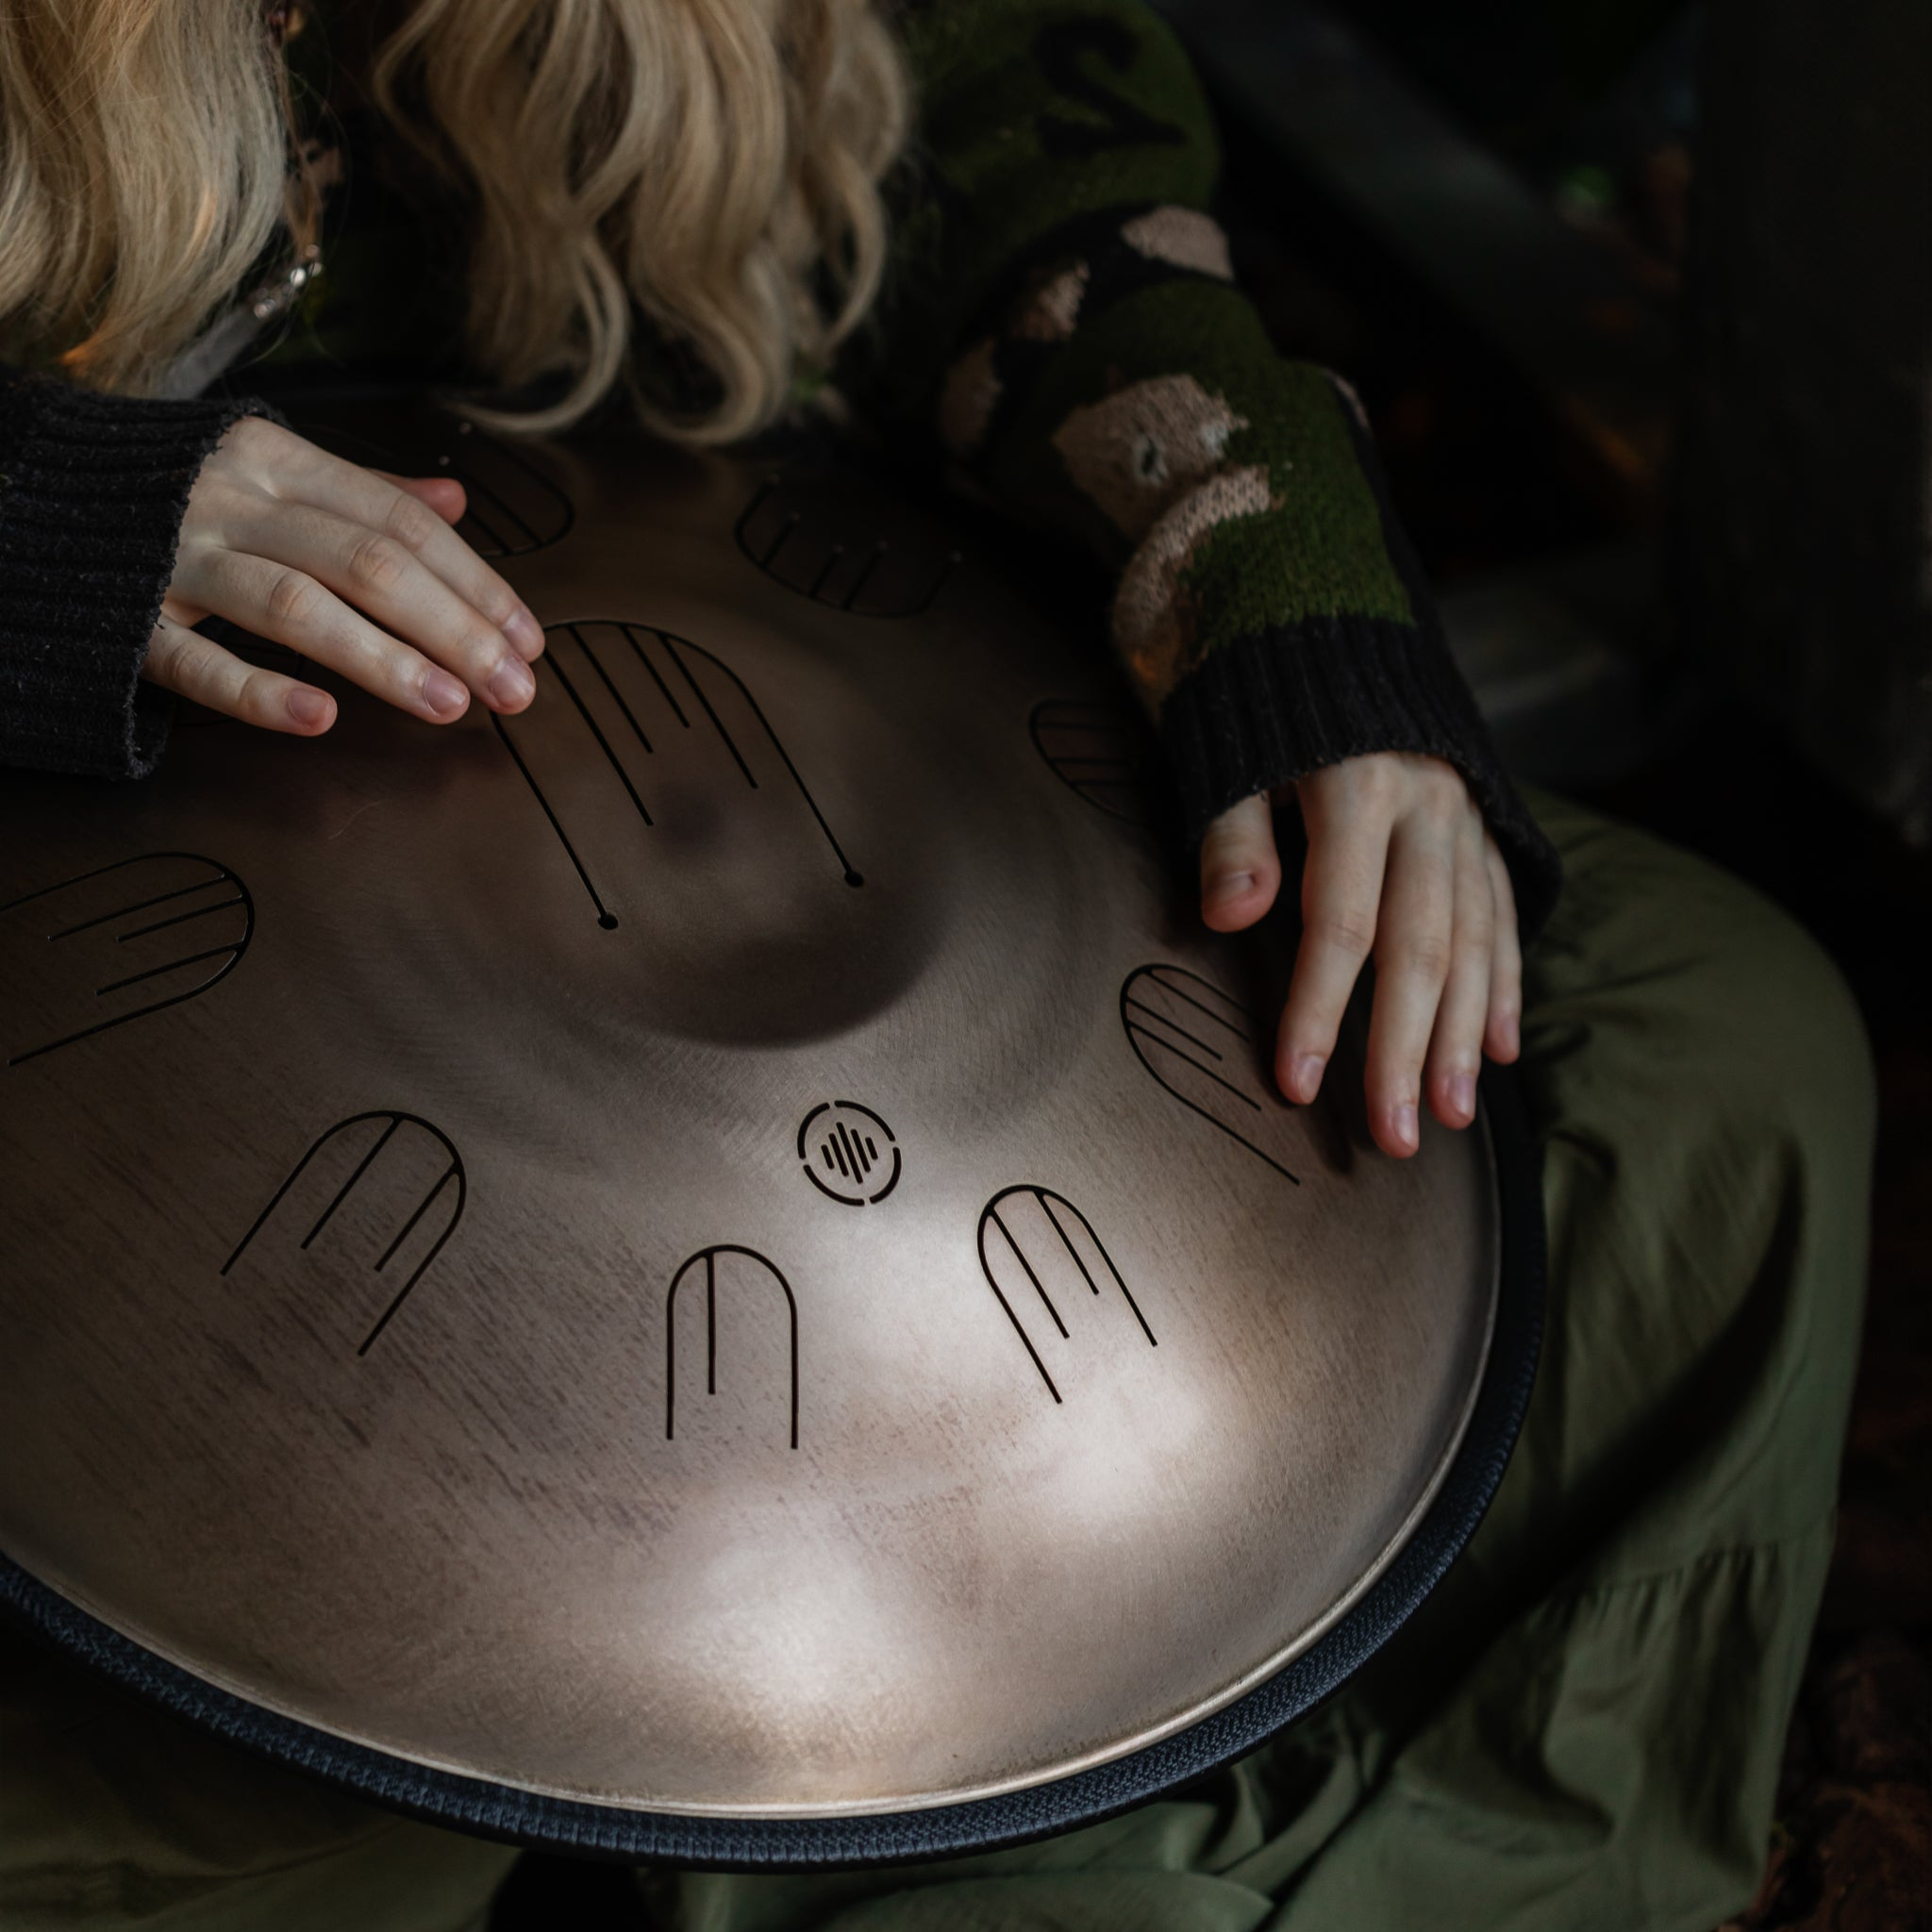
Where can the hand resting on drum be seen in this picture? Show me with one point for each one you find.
(355, 568)
(1402, 867)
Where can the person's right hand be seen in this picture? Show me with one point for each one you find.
(355, 568)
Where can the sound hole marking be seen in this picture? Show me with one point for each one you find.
(841, 1133)
(600, 654)
(709, 1258)
(1175, 1021)
(1098, 751)
(1036, 1251)
(211, 905)
(439, 1191)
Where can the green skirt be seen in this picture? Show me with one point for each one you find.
(1581, 1728)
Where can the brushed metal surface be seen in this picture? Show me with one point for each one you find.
(722, 1245)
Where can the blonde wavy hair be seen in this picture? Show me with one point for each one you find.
(717, 163)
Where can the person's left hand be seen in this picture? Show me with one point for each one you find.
(1401, 866)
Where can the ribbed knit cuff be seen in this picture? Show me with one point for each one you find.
(1260, 711)
(93, 491)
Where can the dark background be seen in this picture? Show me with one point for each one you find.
(1684, 563)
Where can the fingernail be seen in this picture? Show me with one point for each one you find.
(1405, 1124)
(1463, 1093)
(309, 709)
(525, 632)
(511, 683)
(443, 695)
(1304, 1076)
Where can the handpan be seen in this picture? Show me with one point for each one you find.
(712, 1270)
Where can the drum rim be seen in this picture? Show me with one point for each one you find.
(488, 1810)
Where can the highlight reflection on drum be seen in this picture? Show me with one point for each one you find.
(798, 1326)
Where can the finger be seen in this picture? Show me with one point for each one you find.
(362, 496)
(282, 604)
(199, 668)
(1501, 1032)
(1341, 891)
(1456, 1048)
(443, 494)
(1412, 952)
(1241, 872)
(390, 584)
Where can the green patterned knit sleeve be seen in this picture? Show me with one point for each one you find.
(1064, 317)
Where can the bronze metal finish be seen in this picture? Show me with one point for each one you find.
(722, 1246)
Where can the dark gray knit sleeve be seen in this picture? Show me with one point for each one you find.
(93, 491)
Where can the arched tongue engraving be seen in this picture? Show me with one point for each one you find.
(353, 1226)
(731, 1347)
(1102, 752)
(678, 810)
(513, 505)
(646, 748)
(1048, 1269)
(1212, 1055)
(845, 546)
(114, 944)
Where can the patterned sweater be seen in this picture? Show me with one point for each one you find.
(1061, 333)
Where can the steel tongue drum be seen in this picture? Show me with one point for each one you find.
(712, 1270)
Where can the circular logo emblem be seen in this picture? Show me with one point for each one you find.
(848, 1153)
